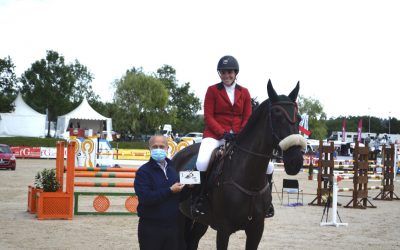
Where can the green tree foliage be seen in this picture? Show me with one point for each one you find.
(316, 116)
(141, 102)
(8, 84)
(183, 105)
(370, 124)
(51, 84)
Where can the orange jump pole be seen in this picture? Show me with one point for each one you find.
(105, 175)
(104, 184)
(60, 164)
(101, 169)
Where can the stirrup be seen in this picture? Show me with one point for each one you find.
(197, 208)
(195, 211)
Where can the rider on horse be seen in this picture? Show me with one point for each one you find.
(227, 108)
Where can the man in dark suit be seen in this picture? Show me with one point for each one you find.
(157, 187)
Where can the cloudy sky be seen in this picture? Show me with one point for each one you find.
(345, 53)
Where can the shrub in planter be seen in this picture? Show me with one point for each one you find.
(52, 203)
(46, 180)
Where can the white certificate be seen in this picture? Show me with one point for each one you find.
(189, 177)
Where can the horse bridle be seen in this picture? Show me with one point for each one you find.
(292, 120)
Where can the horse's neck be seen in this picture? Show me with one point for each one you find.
(250, 168)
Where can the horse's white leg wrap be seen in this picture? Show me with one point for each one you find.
(293, 140)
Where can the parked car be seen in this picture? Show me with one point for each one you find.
(7, 158)
(195, 136)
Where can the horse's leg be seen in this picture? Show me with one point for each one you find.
(254, 233)
(222, 239)
(193, 234)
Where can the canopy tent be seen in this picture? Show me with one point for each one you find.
(23, 121)
(85, 117)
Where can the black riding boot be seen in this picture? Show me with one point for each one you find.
(199, 197)
(270, 209)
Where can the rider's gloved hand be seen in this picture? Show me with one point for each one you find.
(228, 136)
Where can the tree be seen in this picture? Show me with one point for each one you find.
(8, 84)
(56, 87)
(141, 101)
(316, 116)
(183, 105)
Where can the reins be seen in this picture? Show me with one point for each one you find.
(270, 156)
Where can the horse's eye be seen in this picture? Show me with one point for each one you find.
(278, 116)
(277, 112)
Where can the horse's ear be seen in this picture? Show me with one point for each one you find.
(271, 91)
(295, 92)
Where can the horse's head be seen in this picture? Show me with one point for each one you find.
(285, 128)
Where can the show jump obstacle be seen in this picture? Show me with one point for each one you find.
(59, 204)
(326, 171)
(326, 165)
(360, 179)
(64, 203)
(388, 158)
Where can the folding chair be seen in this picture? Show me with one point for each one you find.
(291, 186)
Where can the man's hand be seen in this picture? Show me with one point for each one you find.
(177, 187)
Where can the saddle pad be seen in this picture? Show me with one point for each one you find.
(191, 164)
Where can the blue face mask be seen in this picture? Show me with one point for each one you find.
(158, 154)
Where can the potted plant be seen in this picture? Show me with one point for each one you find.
(32, 190)
(47, 180)
(52, 202)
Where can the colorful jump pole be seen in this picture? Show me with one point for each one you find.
(104, 184)
(105, 174)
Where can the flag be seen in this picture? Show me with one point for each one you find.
(359, 130)
(344, 130)
(304, 131)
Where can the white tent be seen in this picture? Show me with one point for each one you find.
(23, 121)
(85, 117)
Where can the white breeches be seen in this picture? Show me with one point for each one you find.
(206, 148)
(270, 168)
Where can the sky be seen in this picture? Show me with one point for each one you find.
(345, 53)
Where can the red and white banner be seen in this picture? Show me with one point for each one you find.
(36, 152)
(344, 130)
(26, 152)
(359, 130)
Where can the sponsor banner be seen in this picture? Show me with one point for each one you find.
(132, 154)
(50, 153)
(26, 152)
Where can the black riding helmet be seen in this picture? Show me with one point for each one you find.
(228, 62)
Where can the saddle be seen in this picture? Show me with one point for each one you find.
(208, 182)
(214, 169)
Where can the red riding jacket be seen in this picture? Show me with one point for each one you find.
(219, 114)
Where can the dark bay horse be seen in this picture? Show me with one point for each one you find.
(240, 199)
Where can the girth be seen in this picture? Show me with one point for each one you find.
(253, 194)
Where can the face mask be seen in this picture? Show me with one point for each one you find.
(158, 154)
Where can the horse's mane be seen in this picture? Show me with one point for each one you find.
(258, 110)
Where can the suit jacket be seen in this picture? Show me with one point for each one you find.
(157, 203)
(220, 115)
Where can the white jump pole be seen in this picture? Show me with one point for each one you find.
(334, 207)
